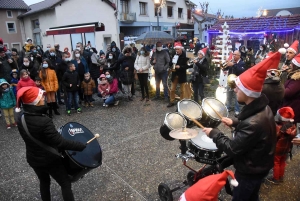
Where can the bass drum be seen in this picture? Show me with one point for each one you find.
(78, 163)
(172, 121)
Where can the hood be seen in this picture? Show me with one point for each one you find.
(14, 71)
(127, 46)
(3, 81)
(113, 44)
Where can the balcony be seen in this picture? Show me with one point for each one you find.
(127, 17)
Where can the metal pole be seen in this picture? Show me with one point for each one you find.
(157, 13)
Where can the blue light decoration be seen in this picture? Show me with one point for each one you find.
(255, 32)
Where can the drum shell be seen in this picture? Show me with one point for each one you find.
(166, 128)
(164, 131)
(208, 122)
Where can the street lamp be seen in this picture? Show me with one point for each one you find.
(157, 4)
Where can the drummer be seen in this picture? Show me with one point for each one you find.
(253, 145)
(41, 127)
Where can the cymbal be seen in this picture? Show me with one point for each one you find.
(183, 135)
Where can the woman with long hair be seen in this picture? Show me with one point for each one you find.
(50, 84)
(261, 54)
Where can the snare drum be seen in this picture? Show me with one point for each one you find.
(172, 121)
(210, 118)
(204, 149)
(189, 109)
(79, 163)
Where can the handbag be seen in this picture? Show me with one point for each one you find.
(41, 144)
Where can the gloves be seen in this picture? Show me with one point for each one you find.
(286, 126)
(81, 146)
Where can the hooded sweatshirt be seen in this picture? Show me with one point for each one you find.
(7, 97)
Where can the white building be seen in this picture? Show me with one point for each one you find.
(70, 21)
(209, 21)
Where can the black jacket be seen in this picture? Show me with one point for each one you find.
(61, 69)
(71, 78)
(237, 68)
(31, 69)
(200, 69)
(181, 72)
(253, 145)
(42, 128)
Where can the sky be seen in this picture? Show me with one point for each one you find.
(237, 8)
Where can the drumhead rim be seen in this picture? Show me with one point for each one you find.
(166, 123)
(190, 101)
(216, 119)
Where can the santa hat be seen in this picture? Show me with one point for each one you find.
(251, 81)
(203, 51)
(286, 114)
(294, 46)
(178, 45)
(29, 96)
(207, 189)
(269, 54)
(296, 60)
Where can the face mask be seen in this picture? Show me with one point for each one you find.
(78, 48)
(142, 52)
(159, 49)
(48, 48)
(91, 50)
(77, 55)
(87, 48)
(114, 49)
(31, 58)
(26, 63)
(34, 50)
(110, 57)
(261, 49)
(107, 76)
(52, 54)
(38, 48)
(67, 59)
(45, 65)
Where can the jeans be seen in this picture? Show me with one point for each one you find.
(58, 93)
(231, 95)
(110, 100)
(247, 190)
(143, 78)
(60, 175)
(127, 89)
(198, 90)
(163, 76)
(72, 97)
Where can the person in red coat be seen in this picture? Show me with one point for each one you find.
(25, 80)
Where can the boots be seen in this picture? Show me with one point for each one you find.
(50, 110)
(55, 107)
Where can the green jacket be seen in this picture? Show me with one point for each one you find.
(7, 97)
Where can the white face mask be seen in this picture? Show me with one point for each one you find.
(110, 57)
(67, 59)
(26, 63)
(78, 48)
(261, 49)
(142, 52)
(107, 76)
(77, 55)
(159, 49)
(45, 65)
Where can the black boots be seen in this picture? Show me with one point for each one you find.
(55, 107)
(50, 110)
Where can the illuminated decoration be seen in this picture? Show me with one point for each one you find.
(255, 32)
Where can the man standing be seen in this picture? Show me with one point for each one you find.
(236, 67)
(57, 51)
(178, 74)
(290, 54)
(253, 145)
(47, 52)
(160, 61)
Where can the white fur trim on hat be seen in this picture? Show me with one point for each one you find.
(200, 51)
(286, 45)
(294, 61)
(282, 50)
(253, 94)
(283, 118)
(292, 50)
(234, 182)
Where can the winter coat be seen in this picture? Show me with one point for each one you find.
(237, 69)
(142, 62)
(104, 88)
(61, 69)
(31, 70)
(200, 70)
(162, 61)
(274, 91)
(181, 72)
(5, 68)
(84, 62)
(292, 94)
(50, 84)
(88, 86)
(71, 77)
(7, 98)
(25, 83)
(253, 145)
(41, 127)
(286, 131)
(113, 86)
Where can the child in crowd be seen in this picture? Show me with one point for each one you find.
(7, 103)
(14, 80)
(25, 80)
(103, 88)
(71, 83)
(286, 131)
(87, 87)
(38, 82)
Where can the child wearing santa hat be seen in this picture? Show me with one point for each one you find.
(286, 131)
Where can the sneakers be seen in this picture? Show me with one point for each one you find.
(91, 104)
(116, 103)
(69, 112)
(104, 105)
(273, 181)
(86, 104)
(79, 110)
(15, 124)
(8, 126)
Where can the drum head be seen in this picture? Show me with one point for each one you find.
(202, 141)
(189, 109)
(216, 105)
(91, 156)
(175, 121)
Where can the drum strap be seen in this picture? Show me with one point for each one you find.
(43, 145)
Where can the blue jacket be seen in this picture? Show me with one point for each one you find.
(7, 98)
(83, 61)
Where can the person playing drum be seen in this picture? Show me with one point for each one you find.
(41, 127)
(254, 139)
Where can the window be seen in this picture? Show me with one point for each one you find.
(180, 14)
(170, 11)
(11, 27)
(9, 14)
(155, 12)
(124, 7)
(35, 24)
(143, 8)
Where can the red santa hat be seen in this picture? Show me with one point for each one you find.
(286, 114)
(296, 60)
(207, 189)
(29, 96)
(269, 54)
(251, 81)
(203, 51)
(178, 45)
(294, 46)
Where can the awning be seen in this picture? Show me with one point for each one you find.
(72, 29)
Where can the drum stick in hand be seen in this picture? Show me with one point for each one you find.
(197, 122)
(219, 115)
(96, 136)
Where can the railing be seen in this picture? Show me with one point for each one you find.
(127, 17)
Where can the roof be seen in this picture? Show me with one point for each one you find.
(273, 12)
(13, 4)
(199, 16)
(38, 7)
(253, 24)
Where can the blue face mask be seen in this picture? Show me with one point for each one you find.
(45, 65)
(52, 54)
(34, 50)
(107, 76)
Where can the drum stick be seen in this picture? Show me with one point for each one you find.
(220, 116)
(96, 136)
(197, 122)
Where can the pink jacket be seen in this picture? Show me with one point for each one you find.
(25, 83)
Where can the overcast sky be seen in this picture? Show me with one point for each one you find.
(237, 8)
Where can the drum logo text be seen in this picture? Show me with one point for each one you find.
(74, 131)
